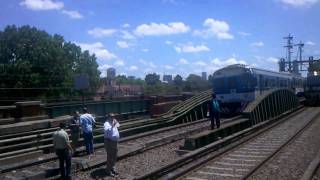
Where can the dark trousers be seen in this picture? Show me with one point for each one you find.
(64, 158)
(88, 141)
(215, 116)
(112, 151)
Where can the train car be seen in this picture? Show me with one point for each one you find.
(237, 85)
(312, 90)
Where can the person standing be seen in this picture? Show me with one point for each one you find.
(214, 111)
(63, 151)
(87, 123)
(111, 138)
(75, 130)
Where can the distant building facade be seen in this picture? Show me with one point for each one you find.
(167, 78)
(111, 73)
(204, 75)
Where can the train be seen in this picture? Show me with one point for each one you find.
(312, 90)
(237, 85)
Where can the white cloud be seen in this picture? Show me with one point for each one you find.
(227, 62)
(98, 49)
(243, 33)
(214, 28)
(72, 14)
(122, 44)
(200, 63)
(155, 29)
(299, 3)
(103, 69)
(310, 43)
(147, 63)
(273, 60)
(133, 68)
(38, 5)
(168, 67)
(127, 35)
(169, 42)
(119, 62)
(100, 32)
(183, 61)
(257, 44)
(145, 50)
(189, 48)
(44, 5)
(126, 25)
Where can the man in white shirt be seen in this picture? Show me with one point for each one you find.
(111, 138)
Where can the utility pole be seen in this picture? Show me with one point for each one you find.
(289, 47)
(300, 46)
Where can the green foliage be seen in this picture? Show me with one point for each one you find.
(315, 67)
(45, 64)
(152, 79)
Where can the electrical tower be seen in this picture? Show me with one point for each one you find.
(299, 64)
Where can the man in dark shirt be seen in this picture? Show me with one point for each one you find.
(75, 129)
(63, 150)
(214, 111)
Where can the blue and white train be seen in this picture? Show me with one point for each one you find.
(237, 85)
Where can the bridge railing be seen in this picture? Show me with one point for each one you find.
(271, 104)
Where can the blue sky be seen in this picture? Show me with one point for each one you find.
(174, 36)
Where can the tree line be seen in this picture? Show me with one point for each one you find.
(34, 63)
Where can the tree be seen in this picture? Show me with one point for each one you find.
(46, 64)
(195, 83)
(177, 80)
(152, 79)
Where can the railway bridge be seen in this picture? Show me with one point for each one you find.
(26, 154)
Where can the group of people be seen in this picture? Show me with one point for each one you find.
(85, 123)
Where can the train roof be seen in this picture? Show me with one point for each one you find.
(241, 68)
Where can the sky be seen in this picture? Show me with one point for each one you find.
(138, 37)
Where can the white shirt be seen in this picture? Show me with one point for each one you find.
(111, 130)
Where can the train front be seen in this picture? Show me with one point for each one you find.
(234, 87)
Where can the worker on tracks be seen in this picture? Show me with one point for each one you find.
(63, 150)
(87, 123)
(75, 130)
(214, 111)
(111, 138)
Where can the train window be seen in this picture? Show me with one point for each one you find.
(232, 82)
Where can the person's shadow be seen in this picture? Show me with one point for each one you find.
(99, 174)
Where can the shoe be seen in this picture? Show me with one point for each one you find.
(114, 172)
(111, 174)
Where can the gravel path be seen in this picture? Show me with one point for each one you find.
(133, 166)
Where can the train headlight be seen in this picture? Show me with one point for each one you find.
(315, 73)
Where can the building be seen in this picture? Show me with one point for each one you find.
(111, 73)
(167, 78)
(204, 75)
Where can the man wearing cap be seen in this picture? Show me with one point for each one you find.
(111, 138)
(214, 111)
(63, 149)
(87, 122)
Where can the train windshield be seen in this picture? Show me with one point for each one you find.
(240, 83)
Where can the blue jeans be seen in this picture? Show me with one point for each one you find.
(64, 157)
(88, 141)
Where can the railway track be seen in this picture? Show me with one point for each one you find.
(129, 146)
(246, 158)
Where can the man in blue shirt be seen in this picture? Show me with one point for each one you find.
(111, 138)
(87, 122)
(214, 111)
